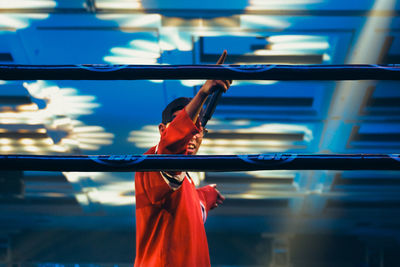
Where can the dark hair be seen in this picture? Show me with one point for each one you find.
(175, 105)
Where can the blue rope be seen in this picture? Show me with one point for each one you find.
(181, 72)
(130, 163)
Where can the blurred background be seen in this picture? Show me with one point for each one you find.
(270, 218)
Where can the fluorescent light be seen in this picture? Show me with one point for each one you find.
(69, 141)
(131, 61)
(61, 101)
(118, 4)
(191, 83)
(88, 147)
(172, 38)
(300, 46)
(26, 141)
(136, 53)
(326, 57)
(256, 21)
(6, 148)
(142, 20)
(156, 81)
(24, 4)
(284, 174)
(32, 148)
(58, 148)
(146, 45)
(295, 38)
(91, 141)
(267, 52)
(19, 21)
(166, 45)
(5, 141)
(262, 4)
(88, 129)
(28, 107)
(95, 134)
(11, 21)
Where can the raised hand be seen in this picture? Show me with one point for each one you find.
(210, 86)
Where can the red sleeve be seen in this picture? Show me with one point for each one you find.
(208, 195)
(177, 135)
(173, 140)
(151, 189)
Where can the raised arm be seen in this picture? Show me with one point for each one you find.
(209, 87)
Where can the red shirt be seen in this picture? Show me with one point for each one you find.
(170, 214)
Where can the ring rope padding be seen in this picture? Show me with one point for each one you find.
(199, 72)
(226, 163)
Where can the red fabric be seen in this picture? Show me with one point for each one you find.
(169, 224)
(208, 195)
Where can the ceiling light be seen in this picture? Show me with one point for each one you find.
(26, 4)
(118, 4)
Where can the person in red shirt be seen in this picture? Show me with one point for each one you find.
(170, 211)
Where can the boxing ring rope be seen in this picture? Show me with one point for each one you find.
(129, 163)
(203, 72)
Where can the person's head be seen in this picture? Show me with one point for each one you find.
(171, 111)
